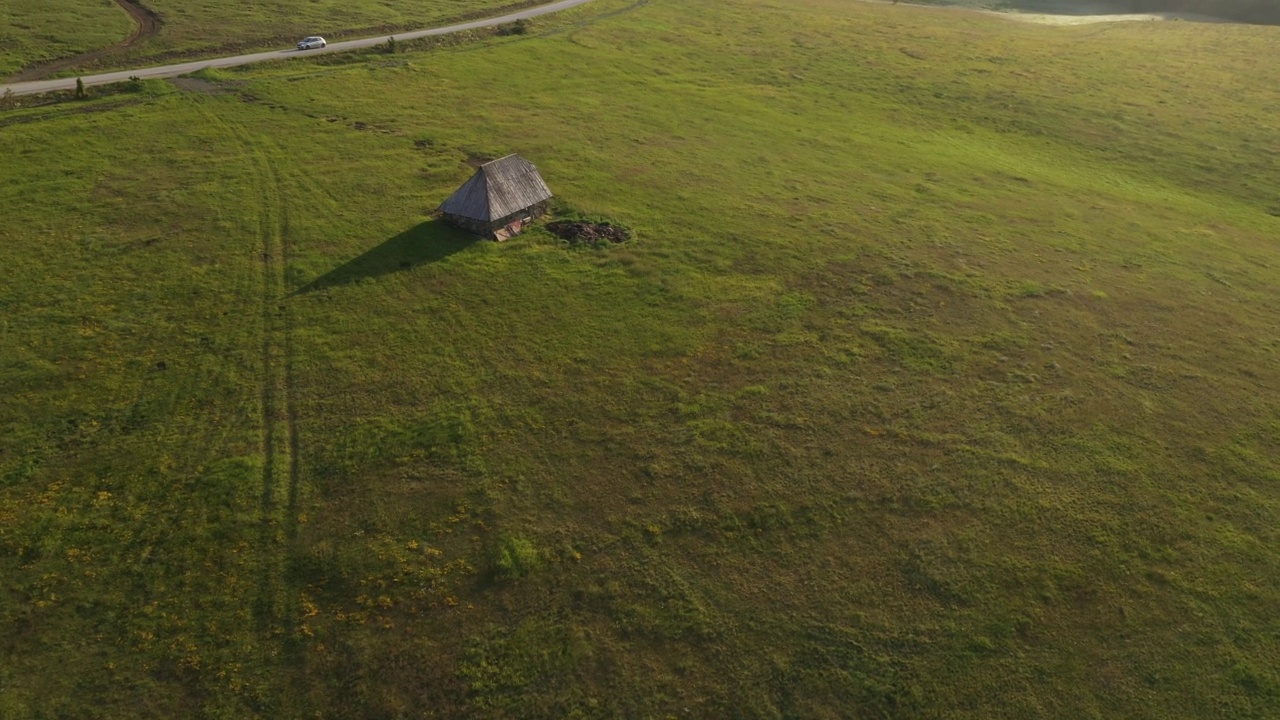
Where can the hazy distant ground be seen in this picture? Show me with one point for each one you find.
(1064, 12)
(1232, 10)
(1050, 7)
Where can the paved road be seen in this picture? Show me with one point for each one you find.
(164, 71)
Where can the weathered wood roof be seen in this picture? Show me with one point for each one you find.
(499, 188)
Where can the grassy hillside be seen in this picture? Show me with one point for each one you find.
(34, 32)
(938, 381)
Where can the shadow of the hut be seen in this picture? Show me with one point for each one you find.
(425, 243)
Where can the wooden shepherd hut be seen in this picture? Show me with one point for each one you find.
(499, 199)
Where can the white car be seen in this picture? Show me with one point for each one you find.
(311, 43)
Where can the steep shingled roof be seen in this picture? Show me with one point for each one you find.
(499, 188)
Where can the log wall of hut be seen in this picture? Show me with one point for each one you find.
(485, 229)
(479, 227)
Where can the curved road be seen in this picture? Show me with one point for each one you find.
(164, 71)
(145, 25)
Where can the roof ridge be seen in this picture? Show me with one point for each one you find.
(504, 157)
(487, 194)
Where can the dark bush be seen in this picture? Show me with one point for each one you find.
(519, 27)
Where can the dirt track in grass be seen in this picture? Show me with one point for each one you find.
(146, 24)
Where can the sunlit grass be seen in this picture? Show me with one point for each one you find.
(32, 32)
(936, 381)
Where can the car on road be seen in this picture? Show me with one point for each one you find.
(311, 43)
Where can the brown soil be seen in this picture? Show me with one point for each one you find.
(585, 233)
(204, 87)
(146, 24)
(475, 160)
(72, 108)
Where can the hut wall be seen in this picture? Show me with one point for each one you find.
(532, 212)
(479, 227)
(485, 229)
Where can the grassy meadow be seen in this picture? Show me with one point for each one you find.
(938, 381)
(32, 32)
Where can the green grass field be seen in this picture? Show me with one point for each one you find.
(939, 380)
(50, 29)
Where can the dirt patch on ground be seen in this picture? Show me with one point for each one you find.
(198, 85)
(586, 233)
(146, 23)
(475, 159)
(70, 108)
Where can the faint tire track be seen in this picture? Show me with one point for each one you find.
(276, 608)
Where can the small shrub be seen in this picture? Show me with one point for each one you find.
(514, 558)
(519, 27)
(390, 48)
